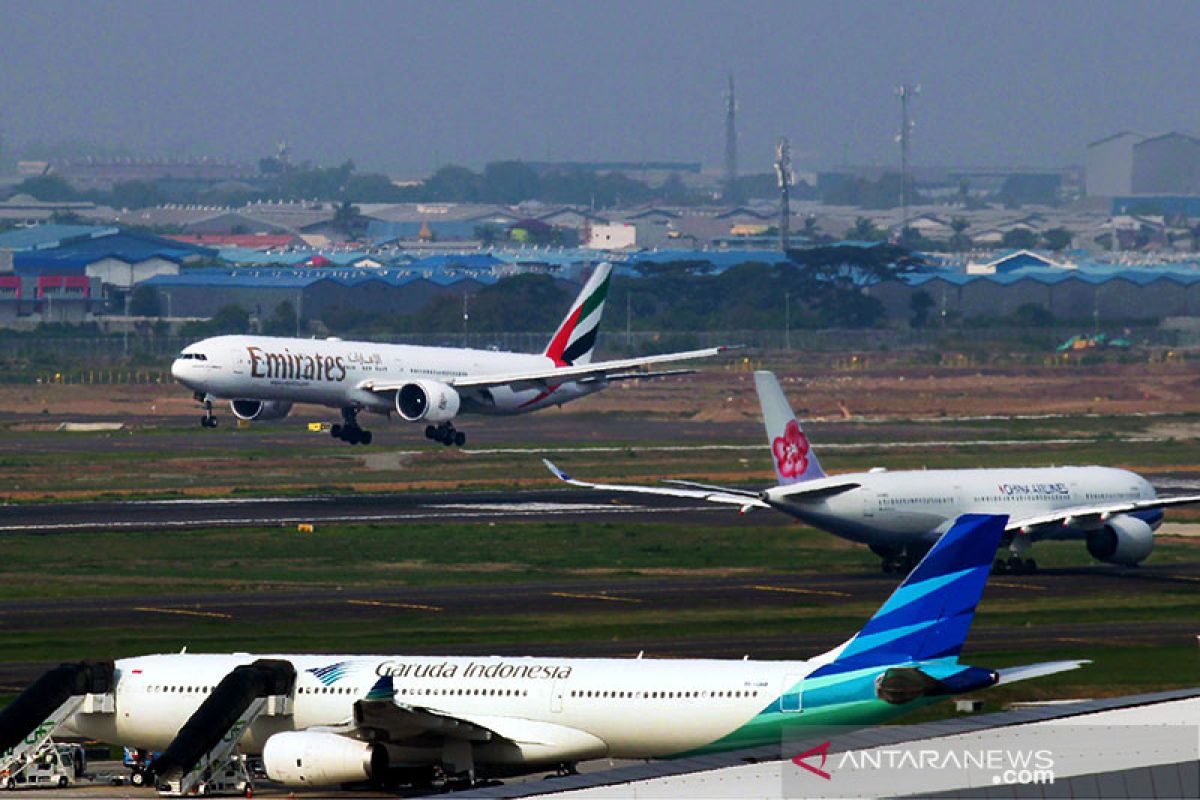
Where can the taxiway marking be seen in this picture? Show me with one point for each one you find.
(382, 604)
(792, 590)
(183, 612)
(608, 597)
(1017, 585)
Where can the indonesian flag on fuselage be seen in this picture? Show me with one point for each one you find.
(575, 338)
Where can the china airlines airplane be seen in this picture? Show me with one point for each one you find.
(354, 718)
(262, 376)
(900, 514)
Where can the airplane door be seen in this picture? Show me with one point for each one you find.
(868, 498)
(790, 693)
(556, 697)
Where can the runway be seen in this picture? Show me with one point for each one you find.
(49, 518)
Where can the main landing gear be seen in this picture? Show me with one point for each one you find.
(897, 560)
(1017, 563)
(349, 431)
(209, 420)
(446, 434)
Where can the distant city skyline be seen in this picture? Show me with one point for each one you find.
(407, 87)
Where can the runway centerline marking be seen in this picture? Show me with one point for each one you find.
(382, 604)
(183, 612)
(791, 590)
(608, 597)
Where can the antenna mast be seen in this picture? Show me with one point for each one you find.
(731, 165)
(905, 92)
(785, 177)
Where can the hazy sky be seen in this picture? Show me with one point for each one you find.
(408, 86)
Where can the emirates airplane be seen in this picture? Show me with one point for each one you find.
(346, 718)
(900, 513)
(263, 376)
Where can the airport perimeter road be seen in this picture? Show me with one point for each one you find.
(363, 509)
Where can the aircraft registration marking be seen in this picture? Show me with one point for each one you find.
(382, 604)
(608, 597)
(792, 590)
(183, 612)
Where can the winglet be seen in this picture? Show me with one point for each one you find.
(556, 472)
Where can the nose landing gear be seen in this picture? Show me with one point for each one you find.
(209, 420)
(446, 434)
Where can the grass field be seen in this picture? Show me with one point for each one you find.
(173, 458)
(256, 563)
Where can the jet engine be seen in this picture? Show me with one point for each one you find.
(427, 400)
(1123, 540)
(309, 758)
(260, 410)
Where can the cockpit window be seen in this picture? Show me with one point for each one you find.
(193, 356)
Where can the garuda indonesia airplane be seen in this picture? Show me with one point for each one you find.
(900, 513)
(263, 376)
(354, 718)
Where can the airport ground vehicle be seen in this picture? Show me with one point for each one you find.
(55, 764)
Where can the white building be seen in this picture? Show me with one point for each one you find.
(618, 236)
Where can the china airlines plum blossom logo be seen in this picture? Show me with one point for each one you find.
(791, 451)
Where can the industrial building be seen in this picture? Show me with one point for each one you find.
(1129, 163)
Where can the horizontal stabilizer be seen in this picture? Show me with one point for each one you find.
(1027, 671)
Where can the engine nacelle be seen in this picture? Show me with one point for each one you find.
(304, 758)
(1123, 540)
(432, 401)
(260, 410)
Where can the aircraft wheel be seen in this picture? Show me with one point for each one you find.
(365, 437)
(431, 432)
(999, 567)
(460, 438)
(335, 431)
(1016, 566)
(1030, 566)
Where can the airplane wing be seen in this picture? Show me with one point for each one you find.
(600, 370)
(397, 722)
(1027, 671)
(712, 494)
(392, 721)
(1083, 515)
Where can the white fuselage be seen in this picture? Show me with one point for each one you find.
(579, 708)
(332, 373)
(892, 509)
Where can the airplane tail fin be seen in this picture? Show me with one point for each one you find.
(795, 461)
(928, 616)
(909, 650)
(575, 338)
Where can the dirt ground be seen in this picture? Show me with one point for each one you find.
(725, 393)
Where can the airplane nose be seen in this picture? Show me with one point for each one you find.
(177, 369)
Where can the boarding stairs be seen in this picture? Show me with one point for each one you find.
(203, 758)
(28, 722)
